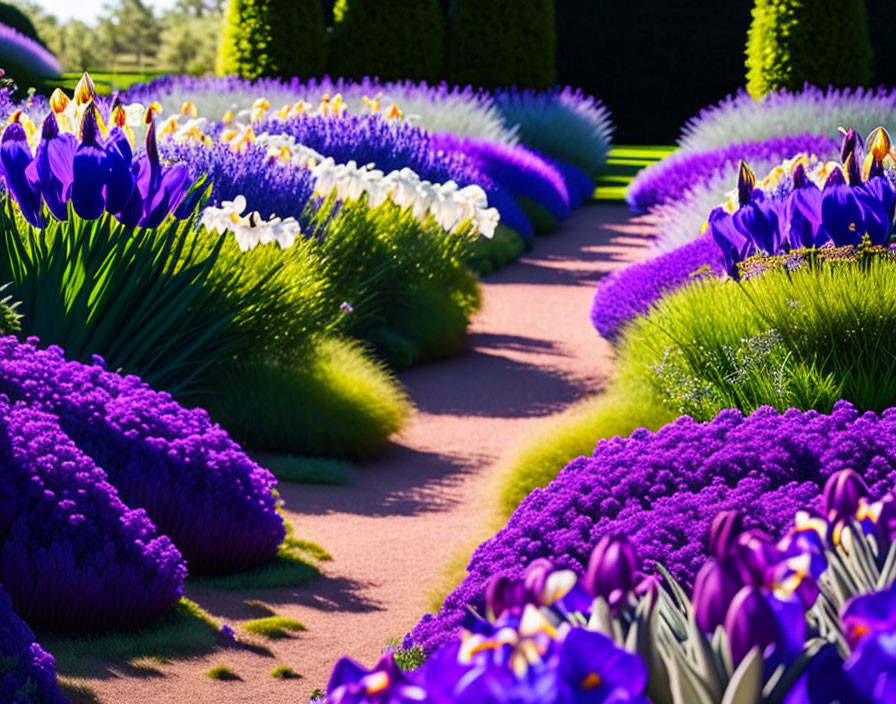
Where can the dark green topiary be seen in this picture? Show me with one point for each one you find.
(498, 43)
(881, 20)
(13, 17)
(392, 39)
(822, 42)
(272, 38)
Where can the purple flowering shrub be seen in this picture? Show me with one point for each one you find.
(669, 179)
(267, 186)
(632, 291)
(72, 555)
(519, 170)
(196, 484)
(663, 489)
(392, 146)
(27, 671)
(578, 183)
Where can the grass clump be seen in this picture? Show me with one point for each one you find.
(335, 401)
(273, 627)
(803, 339)
(222, 673)
(285, 672)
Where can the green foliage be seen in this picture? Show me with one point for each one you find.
(307, 470)
(491, 254)
(822, 42)
(273, 627)
(13, 17)
(222, 673)
(409, 285)
(540, 217)
(183, 631)
(801, 339)
(495, 43)
(407, 658)
(284, 672)
(332, 401)
(272, 38)
(9, 317)
(392, 39)
(145, 300)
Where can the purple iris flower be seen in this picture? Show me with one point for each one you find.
(95, 175)
(842, 493)
(613, 569)
(824, 681)
(758, 619)
(594, 671)
(734, 243)
(384, 684)
(869, 623)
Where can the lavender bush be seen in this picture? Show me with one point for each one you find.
(24, 60)
(27, 671)
(663, 489)
(670, 179)
(632, 291)
(461, 111)
(195, 483)
(72, 555)
(519, 170)
(740, 118)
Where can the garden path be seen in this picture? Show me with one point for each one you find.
(531, 353)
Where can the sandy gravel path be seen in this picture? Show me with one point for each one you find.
(532, 352)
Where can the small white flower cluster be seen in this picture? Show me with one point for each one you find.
(250, 230)
(449, 204)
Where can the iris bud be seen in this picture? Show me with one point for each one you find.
(842, 492)
(746, 182)
(612, 569)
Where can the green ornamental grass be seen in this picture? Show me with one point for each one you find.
(803, 339)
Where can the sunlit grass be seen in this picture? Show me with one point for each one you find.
(273, 627)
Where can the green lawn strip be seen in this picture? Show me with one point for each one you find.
(107, 81)
(183, 631)
(623, 164)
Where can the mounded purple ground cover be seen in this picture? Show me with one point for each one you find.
(520, 170)
(72, 555)
(662, 490)
(27, 671)
(669, 179)
(632, 291)
(196, 484)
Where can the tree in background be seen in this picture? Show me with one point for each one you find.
(497, 43)
(272, 38)
(822, 42)
(392, 39)
(189, 40)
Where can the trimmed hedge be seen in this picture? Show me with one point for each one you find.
(494, 43)
(641, 54)
(261, 38)
(391, 39)
(13, 17)
(793, 42)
